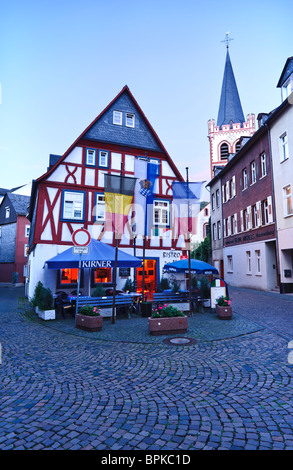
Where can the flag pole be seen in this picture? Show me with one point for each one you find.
(116, 258)
(189, 242)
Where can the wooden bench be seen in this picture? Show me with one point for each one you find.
(181, 298)
(106, 303)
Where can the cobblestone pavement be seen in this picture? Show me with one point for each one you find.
(62, 388)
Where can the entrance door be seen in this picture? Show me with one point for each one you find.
(150, 277)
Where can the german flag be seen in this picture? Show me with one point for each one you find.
(119, 192)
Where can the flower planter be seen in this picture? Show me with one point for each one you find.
(46, 314)
(88, 323)
(167, 326)
(224, 312)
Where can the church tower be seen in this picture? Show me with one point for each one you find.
(225, 136)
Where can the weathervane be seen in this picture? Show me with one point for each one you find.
(227, 39)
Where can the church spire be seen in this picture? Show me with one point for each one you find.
(230, 109)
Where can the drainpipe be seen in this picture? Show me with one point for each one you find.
(274, 205)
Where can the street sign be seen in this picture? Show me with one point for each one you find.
(80, 250)
(81, 237)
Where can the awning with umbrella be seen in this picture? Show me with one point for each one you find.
(101, 255)
(196, 267)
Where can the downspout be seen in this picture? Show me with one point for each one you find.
(274, 205)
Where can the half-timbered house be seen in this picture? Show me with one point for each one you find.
(70, 195)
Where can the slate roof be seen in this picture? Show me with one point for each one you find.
(286, 72)
(20, 203)
(230, 109)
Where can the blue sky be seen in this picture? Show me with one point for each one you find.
(62, 62)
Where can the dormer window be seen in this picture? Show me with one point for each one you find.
(129, 120)
(117, 118)
(7, 212)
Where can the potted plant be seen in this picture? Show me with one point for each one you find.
(88, 318)
(166, 319)
(45, 304)
(223, 308)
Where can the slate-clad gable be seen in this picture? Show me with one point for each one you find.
(104, 130)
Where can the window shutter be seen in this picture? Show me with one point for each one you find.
(234, 186)
(258, 213)
(224, 228)
(228, 190)
(270, 210)
(236, 225)
(229, 226)
(223, 193)
(249, 217)
(241, 221)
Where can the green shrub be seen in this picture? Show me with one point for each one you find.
(35, 298)
(164, 284)
(99, 291)
(176, 286)
(128, 286)
(45, 300)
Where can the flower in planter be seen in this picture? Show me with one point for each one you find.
(89, 310)
(223, 301)
(166, 311)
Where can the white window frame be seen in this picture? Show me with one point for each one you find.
(27, 231)
(7, 212)
(219, 230)
(214, 232)
(117, 118)
(248, 263)
(213, 201)
(288, 201)
(217, 198)
(100, 208)
(284, 149)
(257, 262)
(263, 165)
(253, 172)
(265, 212)
(160, 206)
(244, 179)
(25, 251)
(229, 263)
(130, 120)
(90, 153)
(103, 154)
(70, 200)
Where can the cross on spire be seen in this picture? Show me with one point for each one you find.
(227, 39)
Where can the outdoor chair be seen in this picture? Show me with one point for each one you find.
(63, 305)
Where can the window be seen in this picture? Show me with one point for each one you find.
(73, 202)
(288, 208)
(257, 261)
(161, 213)
(238, 146)
(100, 208)
(129, 120)
(90, 158)
(245, 219)
(213, 201)
(253, 172)
(284, 152)
(7, 212)
(229, 263)
(263, 165)
(248, 262)
(224, 151)
(219, 230)
(218, 198)
(254, 216)
(102, 275)
(103, 158)
(214, 232)
(244, 179)
(265, 211)
(117, 118)
(26, 247)
(232, 224)
(69, 276)
(27, 231)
